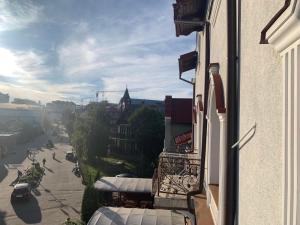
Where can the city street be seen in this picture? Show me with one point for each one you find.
(59, 194)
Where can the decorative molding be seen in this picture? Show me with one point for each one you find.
(284, 35)
(286, 29)
(216, 93)
(291, 135)
(214, 11)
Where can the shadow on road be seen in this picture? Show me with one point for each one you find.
(36, 192)
(57, 160)
(50, 170)
(2, 216)
(29, 212)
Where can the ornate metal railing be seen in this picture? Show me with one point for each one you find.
(178, 173)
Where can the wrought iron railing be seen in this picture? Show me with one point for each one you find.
(178, 173)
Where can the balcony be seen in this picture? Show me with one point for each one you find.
(177, 174)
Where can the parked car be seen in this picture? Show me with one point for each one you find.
(126, 175)
(70, 155)
(21, 191)
(49, 144)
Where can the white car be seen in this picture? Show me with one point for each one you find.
(21, 191)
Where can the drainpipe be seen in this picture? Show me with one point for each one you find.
(232, 112)
(263, 39)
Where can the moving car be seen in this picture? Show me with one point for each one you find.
(21, 191)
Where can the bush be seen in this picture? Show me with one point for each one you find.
(33, 175)
(73, 222)
(92, 200)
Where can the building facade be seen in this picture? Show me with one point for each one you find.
(178, 124)
(122, 138)
(247, 67)
(4, 98)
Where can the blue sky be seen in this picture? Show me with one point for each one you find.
(69, 49)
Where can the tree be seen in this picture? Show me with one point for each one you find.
(68, 118)
(148, 128)
(91, 201)
(90, 135)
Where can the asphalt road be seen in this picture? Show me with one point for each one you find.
(59, 194)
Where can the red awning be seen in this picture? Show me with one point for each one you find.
(183, 138)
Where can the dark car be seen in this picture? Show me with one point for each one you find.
(21, 191)
(126, 175)
(70, 155)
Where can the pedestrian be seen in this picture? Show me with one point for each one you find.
(53, 155)
(44, 161)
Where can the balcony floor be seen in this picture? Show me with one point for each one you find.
(202, 211)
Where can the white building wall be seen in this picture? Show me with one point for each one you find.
(260, 174)
(261, 161)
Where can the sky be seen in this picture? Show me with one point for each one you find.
(69, 49)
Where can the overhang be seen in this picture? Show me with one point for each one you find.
(189, 16)
(124, 184)
(187, 61)
(128, 216)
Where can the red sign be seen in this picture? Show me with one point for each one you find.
(183, 138)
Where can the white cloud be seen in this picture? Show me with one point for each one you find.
(18, 14)
(111, 50)
(22, 70)
(21, 65)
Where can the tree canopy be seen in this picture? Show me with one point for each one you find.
(90, 135)
(148, 129)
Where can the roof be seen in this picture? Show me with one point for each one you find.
(179, 109)
(129, 216)
(21, 185)
(136, 101)
(189, 16)
(19, 106)
(125, 96)
(124, 184)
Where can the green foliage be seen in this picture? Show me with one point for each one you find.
(68, 118)
(33, 175)
(148, 129)
(90, 135)
(73, 222)
(91, 201)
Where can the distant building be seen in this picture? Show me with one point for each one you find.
(55, 109)
(178, 124)
(4, 98)
(24, 101)
(30, 113)
(122, 139)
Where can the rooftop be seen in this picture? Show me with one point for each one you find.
(19, 106)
